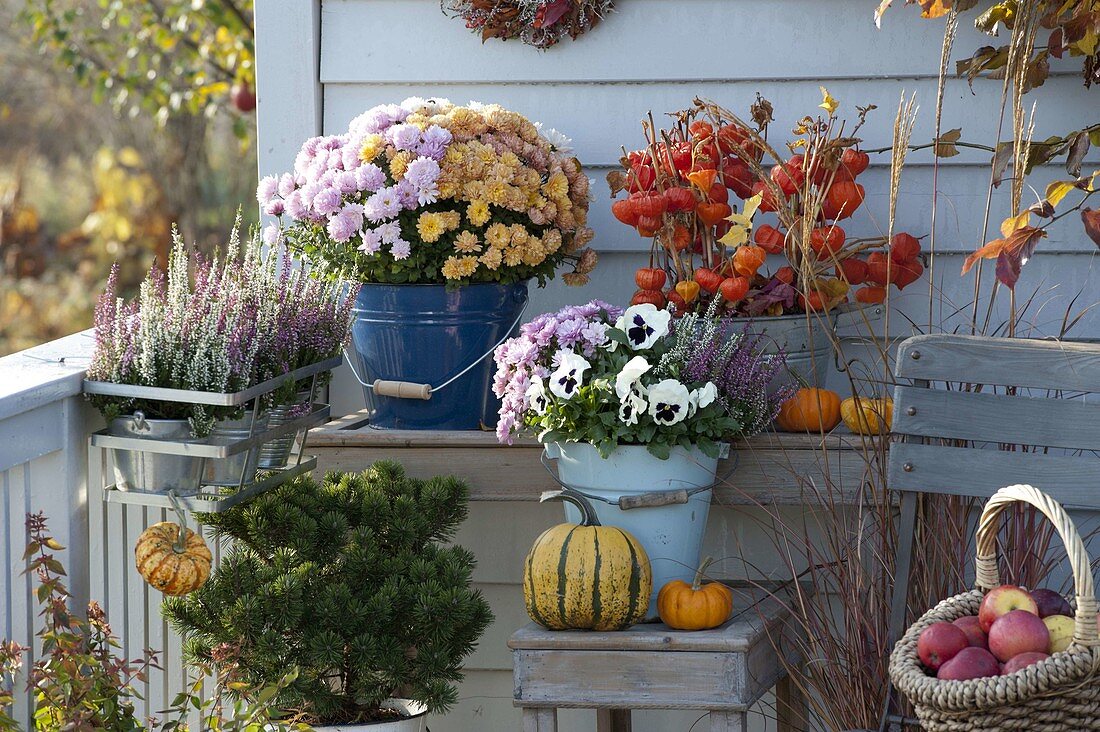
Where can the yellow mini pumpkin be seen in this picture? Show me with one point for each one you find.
(696, 606)
(868, 416)
(810, 410)
(169, 567)
(586, 576)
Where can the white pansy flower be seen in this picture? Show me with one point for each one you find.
(707, 394)
(632, 371)
(567, 378)
(536, 396)
(669, 402)
(633, 406)
(644, 325)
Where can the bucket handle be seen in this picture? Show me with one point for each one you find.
(856, 315)
(413, 390)
(652, 499)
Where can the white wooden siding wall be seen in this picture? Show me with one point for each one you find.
(322, 63)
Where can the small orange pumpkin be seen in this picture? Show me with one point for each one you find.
(810, 410)
(166, 565)
(695, 606)
(868, 416)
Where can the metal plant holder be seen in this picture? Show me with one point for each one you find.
(225, 463)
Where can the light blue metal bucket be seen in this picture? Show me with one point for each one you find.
(672, 534)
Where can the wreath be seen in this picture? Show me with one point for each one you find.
(539, 23)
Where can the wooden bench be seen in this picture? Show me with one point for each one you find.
(650, 666)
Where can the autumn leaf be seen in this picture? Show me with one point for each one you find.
(1001, 13)
(1001, 158)
(1015, 223)
(1078, 148)
(828, 103)
(741, 224)
(935, 8)
(1091, 220)
(1011, 253)
(1057, 190)
(944, 145)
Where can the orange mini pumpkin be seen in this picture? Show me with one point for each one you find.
(868, 416)
(164, 563)
(810, 410)
(695, 606)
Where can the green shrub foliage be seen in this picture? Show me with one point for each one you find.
(350, 581)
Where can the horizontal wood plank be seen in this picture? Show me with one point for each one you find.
(769, 469)
(398, 40)
(630, 679)
(1072, 480)
(1037, 364)
(989, 417)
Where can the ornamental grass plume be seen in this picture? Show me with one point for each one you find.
(217, 325)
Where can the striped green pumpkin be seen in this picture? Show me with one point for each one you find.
(586, 576)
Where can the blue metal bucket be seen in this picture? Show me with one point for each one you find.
(426, 335)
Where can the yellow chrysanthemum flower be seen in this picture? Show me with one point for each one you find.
(556, 187)
(519, 235)
(451, 219)
(491, 258)
(430, 227)
(478, 212)
(450, 268)
(467, 242)
(496, 192)
(400, 164)
(467, 266)
(372, 145)
(513, 256)
(498, 236)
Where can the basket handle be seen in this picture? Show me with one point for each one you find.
(987, 576)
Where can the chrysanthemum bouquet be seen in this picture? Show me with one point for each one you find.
(218, 325)
(427, 192)
(597, 374)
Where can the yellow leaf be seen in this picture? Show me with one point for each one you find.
(1087, 44)
(828, 103)
(751, 204)
(935, 8)
(1012, 223)
(1094, 182)
(735, 237)
(1057, 190)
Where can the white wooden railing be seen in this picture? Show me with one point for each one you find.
(45, 465)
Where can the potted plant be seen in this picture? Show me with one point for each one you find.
(679, 191)
(80, 683)
(348, 580)
(444, 214)
(632, 402)
(219, 325)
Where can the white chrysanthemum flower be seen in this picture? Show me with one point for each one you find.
(568, 377)
(669, 402)
(644, 325)
(560, 142)
(633, 370)
(536, 396)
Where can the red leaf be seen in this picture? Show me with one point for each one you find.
(1091, 220)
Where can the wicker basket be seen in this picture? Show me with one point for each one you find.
(1061, 693)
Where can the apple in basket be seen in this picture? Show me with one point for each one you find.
(970, 663)
(1050, 603)
(939, 643)
(1022, 661)
(970, 625)
(1016, 632)
(1003, 600)
(1061, 632)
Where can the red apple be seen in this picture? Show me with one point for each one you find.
(1016, 632)
(1050, 602)
(938, 643)
(969, 663)
(1002, 600)
(1022, 661)
(973, 629)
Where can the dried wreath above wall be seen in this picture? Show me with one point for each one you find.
(539, 23)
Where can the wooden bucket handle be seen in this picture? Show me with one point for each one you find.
(987, 577)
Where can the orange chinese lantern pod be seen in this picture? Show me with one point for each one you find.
(688, 290)
(703, 179)
(676, 301)
(712, 213)
(842, 199)
(785, 275)
(734, 289)
(853, 270)
(769, 238)
(812, 302)
(650, 278)
(809, 410)
(767, 197)
(856, 161)
(748, 259)
(827, 240)
(708, 279)
(695, 606)
(871, 295)
(653, 297)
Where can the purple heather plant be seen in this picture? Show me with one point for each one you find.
(236, 321)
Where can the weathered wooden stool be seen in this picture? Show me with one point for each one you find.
(650, 666)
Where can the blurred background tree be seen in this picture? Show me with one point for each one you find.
(142, 117)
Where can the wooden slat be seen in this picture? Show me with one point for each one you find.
(1036, 364)
(1074, 481)
(988, 417)
(434, 47)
